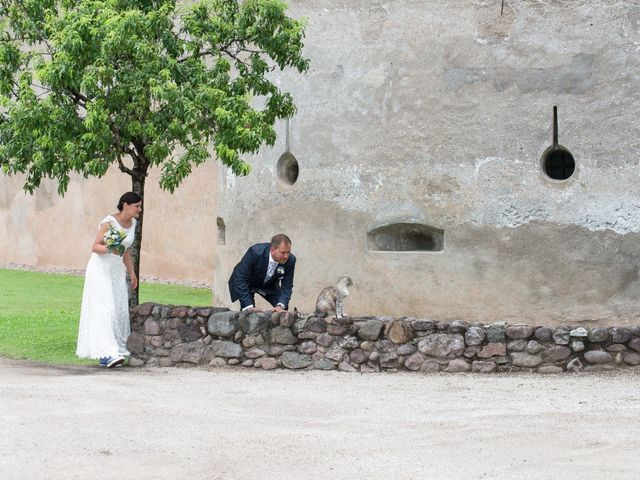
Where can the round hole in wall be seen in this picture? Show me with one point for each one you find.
(558, 163)
(287, 169)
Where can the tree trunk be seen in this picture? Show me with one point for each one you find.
(137, 183)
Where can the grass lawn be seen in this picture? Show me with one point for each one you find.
(39, 312)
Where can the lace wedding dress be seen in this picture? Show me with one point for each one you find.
(104, 316)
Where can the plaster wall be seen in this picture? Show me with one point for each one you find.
(437, 113)
(46, 230)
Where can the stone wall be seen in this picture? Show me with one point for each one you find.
(166, 335)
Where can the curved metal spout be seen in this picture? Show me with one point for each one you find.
(287, 144)
(555, 126)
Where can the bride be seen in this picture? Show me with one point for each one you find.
(104, 316)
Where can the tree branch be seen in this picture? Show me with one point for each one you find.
(79, 98)
(125, 169)
(200, 54)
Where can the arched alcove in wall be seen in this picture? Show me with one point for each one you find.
(405, 237)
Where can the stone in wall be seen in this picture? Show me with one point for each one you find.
(223, 324)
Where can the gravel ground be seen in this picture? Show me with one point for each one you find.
(61, 422)
(80, 273)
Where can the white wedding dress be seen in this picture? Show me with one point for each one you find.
(104, 316)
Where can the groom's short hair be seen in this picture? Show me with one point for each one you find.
(279, 239)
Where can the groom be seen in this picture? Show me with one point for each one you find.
(266, 269)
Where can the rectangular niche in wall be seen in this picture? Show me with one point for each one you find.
(405, 237)
(222, 231)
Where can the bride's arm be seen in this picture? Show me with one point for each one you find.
(98, 244)
(128, 262)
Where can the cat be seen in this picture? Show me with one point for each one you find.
(331, 299)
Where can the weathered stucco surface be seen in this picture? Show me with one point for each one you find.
(438, 113)
(47, 230)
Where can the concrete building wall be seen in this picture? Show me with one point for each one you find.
(415, 112)
(437, 113)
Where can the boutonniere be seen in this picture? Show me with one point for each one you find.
(280, 270)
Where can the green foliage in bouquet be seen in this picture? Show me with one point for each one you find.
(113, 239)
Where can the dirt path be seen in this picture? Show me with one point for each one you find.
(86, 423)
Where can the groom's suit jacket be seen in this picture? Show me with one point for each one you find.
(248, 277)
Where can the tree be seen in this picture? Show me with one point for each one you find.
(85, 84)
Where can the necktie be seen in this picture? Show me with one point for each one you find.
(270, 270)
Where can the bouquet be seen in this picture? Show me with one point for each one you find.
(113, 239)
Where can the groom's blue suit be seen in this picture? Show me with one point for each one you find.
(248, 278)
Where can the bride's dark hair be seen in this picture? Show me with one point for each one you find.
(129, 197)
